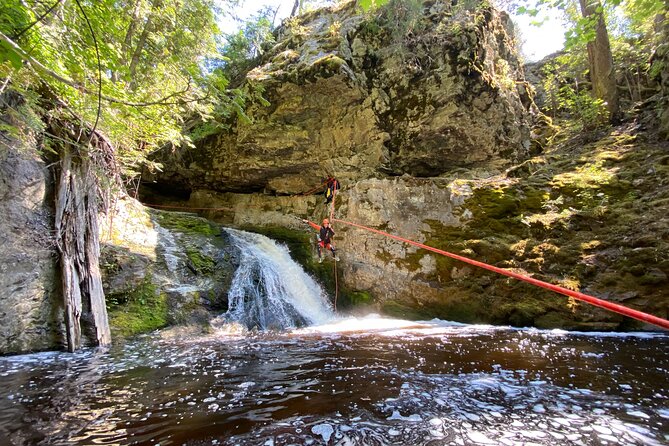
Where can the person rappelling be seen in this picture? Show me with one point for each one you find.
(325, 234)
(332, 185)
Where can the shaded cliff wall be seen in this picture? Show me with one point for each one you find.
(30, 307)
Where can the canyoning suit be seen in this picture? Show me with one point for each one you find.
(333, 184)
(325, 234)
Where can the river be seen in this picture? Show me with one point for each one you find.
(280, 368)
(368, 381)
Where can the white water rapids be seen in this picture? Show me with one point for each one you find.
(271, 291)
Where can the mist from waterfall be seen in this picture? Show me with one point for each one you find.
(271, 291)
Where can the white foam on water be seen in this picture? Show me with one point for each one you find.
(479, 438)
(325, 430)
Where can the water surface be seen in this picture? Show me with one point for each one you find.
(357, 382)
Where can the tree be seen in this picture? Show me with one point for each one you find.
(600, 58)
(589, 29)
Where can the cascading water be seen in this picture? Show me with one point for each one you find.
(271, 291)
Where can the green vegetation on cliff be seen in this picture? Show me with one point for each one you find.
(142, 310)
(584, 215)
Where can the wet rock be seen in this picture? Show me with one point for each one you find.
(162, 268)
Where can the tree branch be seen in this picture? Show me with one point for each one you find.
(39, 19)
(38, 66)
(97, 53)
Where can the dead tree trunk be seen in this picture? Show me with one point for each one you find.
(76, 224)
(600, 59)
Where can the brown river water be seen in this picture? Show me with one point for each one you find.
(368, 381)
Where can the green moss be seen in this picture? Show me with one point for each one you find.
(398, 310)
(384, 256)
(410, 262)
(200, 263)
(140, 311)
(553, 320)
(351, 299)
(186, 223)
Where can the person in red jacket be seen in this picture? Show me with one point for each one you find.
(325, 234)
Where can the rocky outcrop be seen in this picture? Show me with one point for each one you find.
(163, 268)
(30, 309)
(580, 217)
(349, 98)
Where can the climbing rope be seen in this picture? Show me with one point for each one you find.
(639, 315)
(160, 206)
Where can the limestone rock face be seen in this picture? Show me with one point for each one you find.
(29, 293)
(348, 98)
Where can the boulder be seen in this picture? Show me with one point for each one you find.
(162, 268)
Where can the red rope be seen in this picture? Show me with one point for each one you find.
(186, 207)
(639, 315)
(332, 219)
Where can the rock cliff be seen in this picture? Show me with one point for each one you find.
(30, 309)
(349, 98)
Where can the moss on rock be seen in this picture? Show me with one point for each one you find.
(141, 310)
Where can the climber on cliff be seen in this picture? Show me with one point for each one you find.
(325, 234)
(332, 186)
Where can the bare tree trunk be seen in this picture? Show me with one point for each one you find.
(76, 225)
(602, 73)
(70, 277)
(95, 292)
(296, 5)
(139, 48)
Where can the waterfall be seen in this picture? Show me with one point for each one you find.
(271, 291)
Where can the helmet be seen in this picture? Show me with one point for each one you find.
(326, 221)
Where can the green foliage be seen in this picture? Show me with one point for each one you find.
(588, 111)
(369, 5)
(562, 80)
(151, 54)
(400, 17)
(242, 48)
(623, 17)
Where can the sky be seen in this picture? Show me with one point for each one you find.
(537, 42)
